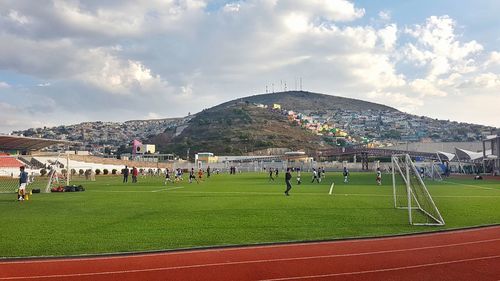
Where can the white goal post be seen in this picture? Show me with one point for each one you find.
(9, 173)
(43, 169)
(411, 193)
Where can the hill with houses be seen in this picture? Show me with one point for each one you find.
(292, 119)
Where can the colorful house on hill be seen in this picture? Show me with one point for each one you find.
(277, 106)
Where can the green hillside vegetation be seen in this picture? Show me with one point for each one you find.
(236, 129)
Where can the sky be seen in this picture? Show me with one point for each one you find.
(66, 62)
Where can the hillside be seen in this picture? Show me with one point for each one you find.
(307, 101)
(248, 124)
(106, 133)
(236, 129)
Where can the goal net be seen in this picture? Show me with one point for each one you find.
(410, 193)
(429, 171)
(9, 173)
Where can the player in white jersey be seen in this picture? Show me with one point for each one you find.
(379, 177)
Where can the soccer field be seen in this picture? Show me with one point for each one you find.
(111, 217)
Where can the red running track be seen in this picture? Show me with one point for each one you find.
(472, 254)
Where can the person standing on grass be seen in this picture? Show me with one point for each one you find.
(288, 177)
(379, 177)
(346, 175)
(167, 176)
(315, 176)
(271, 175)
(125, 174)
(135, 173)
(23, 181)
(192, 176)
(277, 172)
(208, 172)
(299, 181)
(200, 175)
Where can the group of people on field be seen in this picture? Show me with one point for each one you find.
(126, 172)
(171, 175)
(317, 175)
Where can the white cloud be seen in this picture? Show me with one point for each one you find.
(167, 58)
(487, 80)
(375, 70)
(438, 47)
(426, 88)
(494, 59)
(14, 117)
(385, 15)
(231, 7)
(297, 22)
(153, 115)
(388, 36)
(332, 10)
(396, 100)
(120, 77)
(46, 84)
(17, 18)
(4, 85)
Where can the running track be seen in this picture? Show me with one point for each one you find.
(472, 254)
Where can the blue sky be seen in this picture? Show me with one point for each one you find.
(67, 62)
(478, 19)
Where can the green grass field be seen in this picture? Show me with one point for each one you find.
(113, 217)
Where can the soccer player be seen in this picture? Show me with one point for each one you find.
(271, 175)
(178, 175)
(23, 181)
(299, 181)
(288, 177)
(208, 172)
(315, 176)
(346, 175)
(167, 176)
(200, 174)
(192, 176)
(379, 177)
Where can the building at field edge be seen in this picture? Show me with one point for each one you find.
(494, 144)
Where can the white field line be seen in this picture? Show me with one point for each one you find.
(469, 185)
(280, 193)
(434, 196)
(322, 194)
(383, 269)
(167, 189)
(136, 191)
(263, 261)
